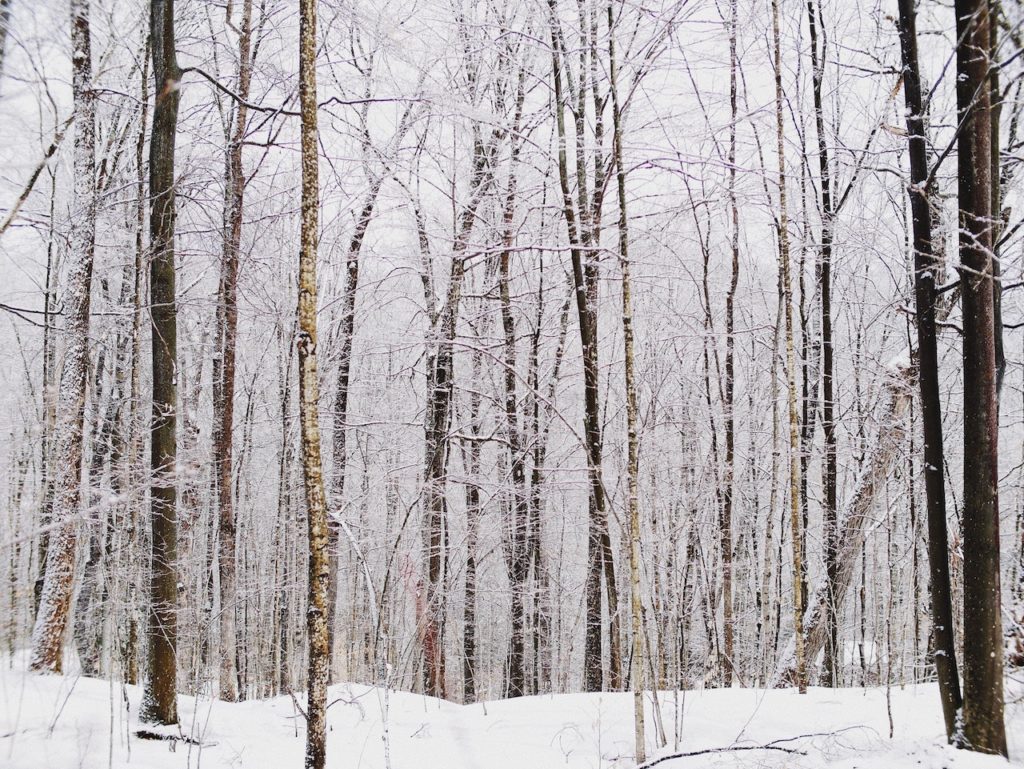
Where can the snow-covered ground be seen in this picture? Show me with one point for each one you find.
(53, 722)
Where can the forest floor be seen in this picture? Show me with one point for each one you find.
(61, 722)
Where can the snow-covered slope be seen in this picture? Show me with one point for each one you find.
(51, 722)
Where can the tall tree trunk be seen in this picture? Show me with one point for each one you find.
(995, 179)
(133, 470)
(469, 650)
(926, 272)
(542, 605)
(517, 553)
(983, 728)
(224, 373)
(725, 526)
(440, 390)
(49, 410)
(58, 581)
(581, 232)
(160, 703)
(794, 439)
(831, 476)
(88, 628)
(285, 496)
(339, 425)
(636, 676)
(309, 399)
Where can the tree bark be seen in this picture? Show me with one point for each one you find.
(224, 367)
(794, 441)
(582, 228)
(636, 677)
(517, 553)
(926, 272)
(160, 699)
(725, 526)
(469, 650)
(833, 662)
(983, 728)
(58, 581)
(309, 399)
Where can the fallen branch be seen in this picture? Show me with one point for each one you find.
(773, 745)
(148, 734)
(734, 748)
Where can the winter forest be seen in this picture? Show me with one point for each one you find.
(489, 383)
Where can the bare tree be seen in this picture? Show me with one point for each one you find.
(224, 364)
(583, 224)
(926, 272)
(787, 298)
(637, 656)
(58, 582)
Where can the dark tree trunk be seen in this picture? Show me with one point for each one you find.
(517, 544)
(983, 728)
(725, 525)
(926, 271)
(832, 658)
(160, 701)
(340, 418)
(582, 227)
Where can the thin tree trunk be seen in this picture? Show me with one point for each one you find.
(996, 202)
(339, 424)
(469, 650)
(88, 628)
(58, 581)
(224, 373)
(926, 272)
(309, 399)
(440, 389)
(542, 607)
(832, 659)
(633, 441)
(518, 542)
(49, 413)
(132, 471)
(725, 527)
(599, 555)
(794, 440)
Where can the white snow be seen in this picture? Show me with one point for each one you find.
(60, 722)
